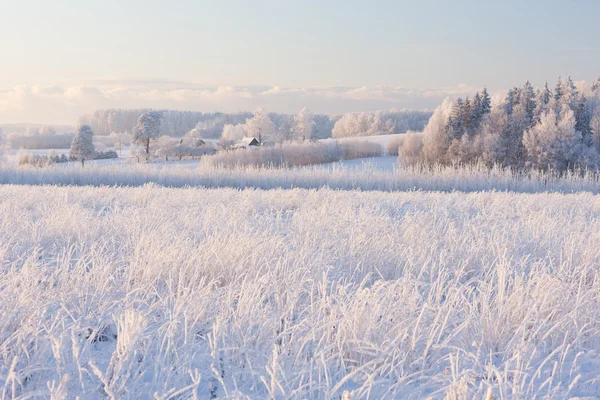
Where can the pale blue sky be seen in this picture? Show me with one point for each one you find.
(422, 45)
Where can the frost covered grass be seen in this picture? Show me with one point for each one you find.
(181, 293)
(471, 178)
(296, 154)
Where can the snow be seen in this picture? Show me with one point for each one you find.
(385, 163)
(145, 292)
(383, 140)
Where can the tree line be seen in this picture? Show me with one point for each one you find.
(213, 125)
(537, 128)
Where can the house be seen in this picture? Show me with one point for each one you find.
(192, 142)
(247, 142)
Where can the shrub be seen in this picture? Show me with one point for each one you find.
(297, 154)
(43, 160)
(393, 145)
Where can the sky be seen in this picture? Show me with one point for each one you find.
(60, 59)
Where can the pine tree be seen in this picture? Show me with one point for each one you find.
(543, 99)
(517, 96)
(486, 102)
(558, 91)
(509, 102)
(570, 95)
(545, 95)
(456, 121)
(467, 115)
(527, 100)
(596, 86)
(82, 147)
(476, 113)
(583, 119)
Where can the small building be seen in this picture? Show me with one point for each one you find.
(247, 142)
(192, 142)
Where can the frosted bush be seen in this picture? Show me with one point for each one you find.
(393, 145)
(296, 154)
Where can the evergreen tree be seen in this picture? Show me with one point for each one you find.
(583, 118)
(558, 91)
(516, 96)
(476, 113)
(513, 98)
(543, 99)
(527, 100)
(596, 86)
(467, 115)
(570, 95)
(486, 102)
(456, 121)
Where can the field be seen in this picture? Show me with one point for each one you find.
(321, 293)
(352, 279)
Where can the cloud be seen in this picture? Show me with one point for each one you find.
(56, 104)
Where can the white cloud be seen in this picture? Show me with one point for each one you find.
(62, 104)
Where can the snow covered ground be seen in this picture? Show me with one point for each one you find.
(174, 290)
(384, 163)
(371, 174)
(175, 293)
(126, 156)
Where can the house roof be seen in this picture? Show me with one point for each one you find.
(249, 141)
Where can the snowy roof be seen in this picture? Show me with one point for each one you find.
(248, 141)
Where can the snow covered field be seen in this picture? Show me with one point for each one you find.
(189, 280)
(133, 292)
(378, 173)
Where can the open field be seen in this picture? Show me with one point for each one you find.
(380, 173)
(297, 293)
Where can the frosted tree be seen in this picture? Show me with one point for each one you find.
(412, 147)
(527, 100)
(303, 125)
(511, 99)
(436, 135)
(558, 91)
(234, 133)
(285, 128)
(166, 147)
(47, 130)
(147, 129)
(596, 86)
(486, 102)
(488, 142)
(468, 115)
(457, 118)
(476, 114)
(82, 147)
(554, 143)
(583, 117)
(260, 126)
(543, 99)
(511, 139)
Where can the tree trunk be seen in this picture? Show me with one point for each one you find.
(82, 162)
